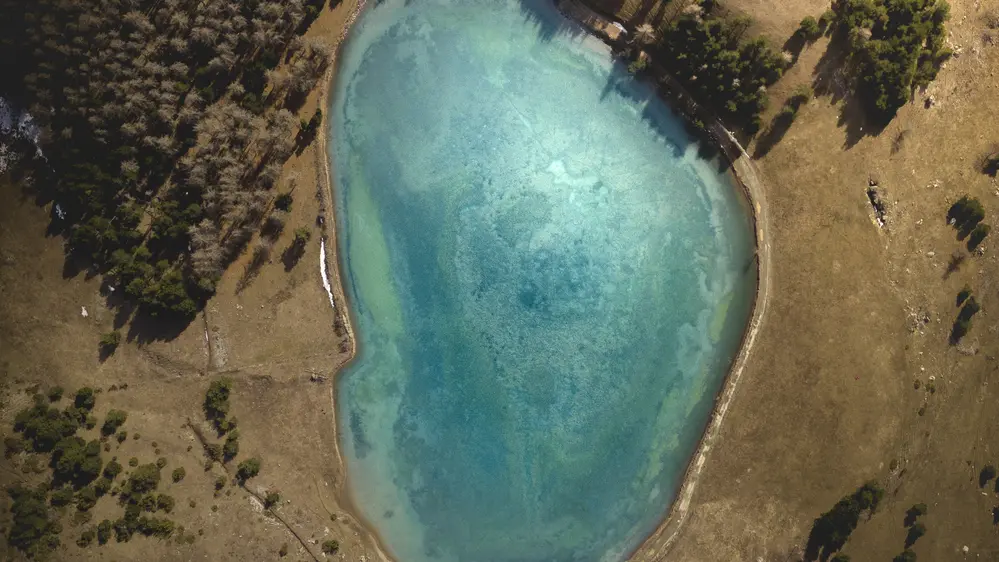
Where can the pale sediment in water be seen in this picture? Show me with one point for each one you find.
(548, 285)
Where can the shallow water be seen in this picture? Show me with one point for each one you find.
(547, 283)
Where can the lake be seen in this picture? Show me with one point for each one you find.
(547, 282)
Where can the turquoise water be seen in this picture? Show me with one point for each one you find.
(547, 285)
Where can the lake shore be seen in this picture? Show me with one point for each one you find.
(746, 175)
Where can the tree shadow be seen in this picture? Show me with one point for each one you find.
(292, 255)
(774, 133)
(549, 21)
(831, 78)
(146, 328)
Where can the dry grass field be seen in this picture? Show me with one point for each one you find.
(828, 400)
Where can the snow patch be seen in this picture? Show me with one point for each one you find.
(322, 271)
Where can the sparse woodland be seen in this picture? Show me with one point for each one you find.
(165, 125)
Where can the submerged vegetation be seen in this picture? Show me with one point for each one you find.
(165, 126)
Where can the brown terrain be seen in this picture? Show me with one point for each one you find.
(857, 314)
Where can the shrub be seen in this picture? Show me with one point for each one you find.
(133, 462)
(86, 498)
(826, 19)
(109, 342)
(809, 29)
(165, 503)
(62, 496)
(161, 462)
(231, 447)
(104, 531)
(85, 398)
(965, 214)
(331, 547)
(178, 474)
(840, 557)
(13, 446)
(248, 469)
(55, 393)
(86, 538)
(271, 499)
(76, 461)
(283, 202)
(113, 421)
(283, 551)
(31, 531)
(906, 556)
(112, 469)
(217, 400)
(122, 436)
(220, 482)
(214, 451)
(978, 235)
(102, 486)
(302, 235)
(143, 479)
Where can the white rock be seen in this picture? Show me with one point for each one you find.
(83, 312)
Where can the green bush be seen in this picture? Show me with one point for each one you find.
(220, 482)
(143, 479)
(248, 469)
(840, 557)
(809, 29)
(31, 531)
(113, 421)
(61, 496)
(85, 398)
(165, 503)
(86, 498)
(112, 469)
(55, 393)
(86, 538)
(283, 202)
(104, 531)
(161, 462)
(906, 556)
(231, 447)
(43, 427)
(121, 436)
(217, 400)
(109, 342)
(331, 547)
(271, 499)
(76, 461)
(178, 474)
(13, 446)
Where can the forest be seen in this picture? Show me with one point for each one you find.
(716, 60)
(164, 126)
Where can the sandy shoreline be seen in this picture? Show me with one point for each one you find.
(743, 171)
(333, 266)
